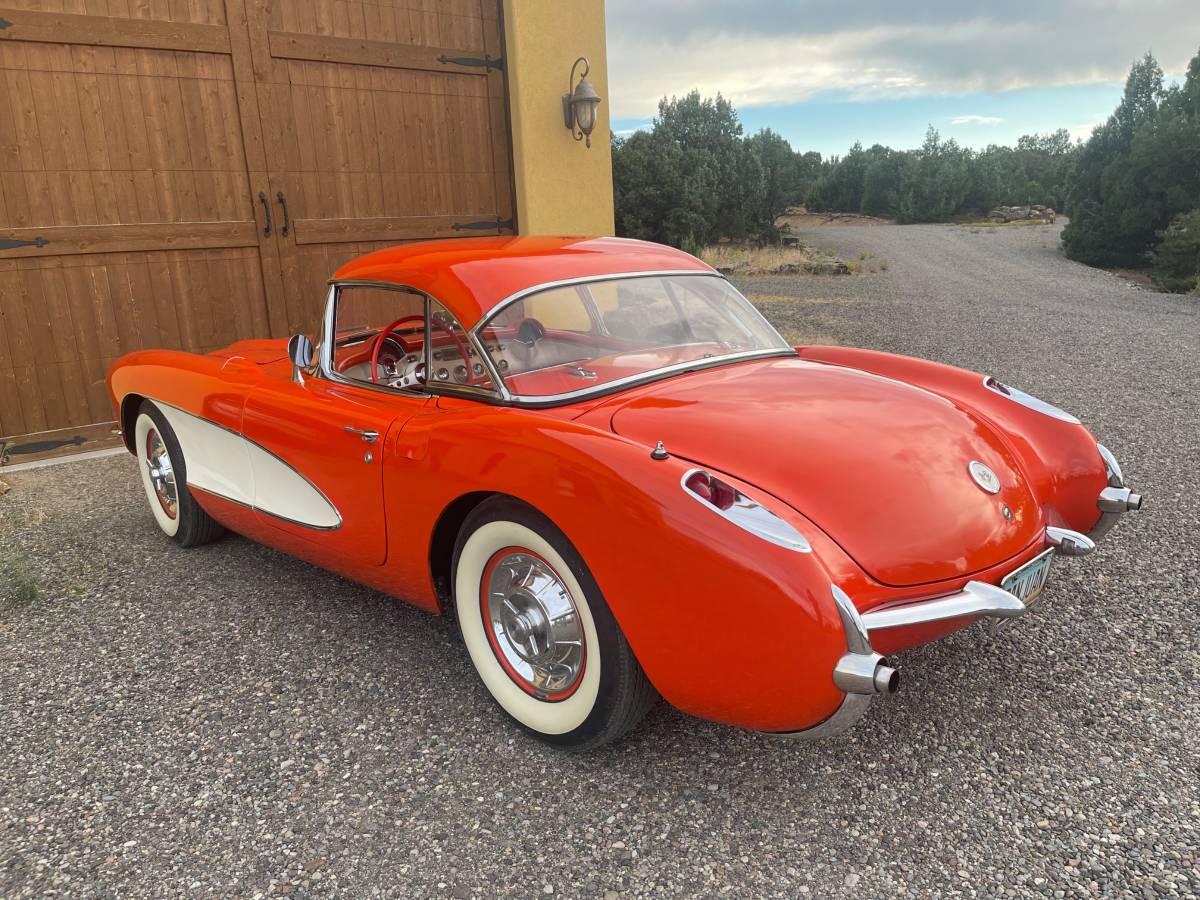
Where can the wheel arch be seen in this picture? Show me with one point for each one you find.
(131, 404)
(445, 534)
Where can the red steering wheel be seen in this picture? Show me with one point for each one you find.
(386, 333)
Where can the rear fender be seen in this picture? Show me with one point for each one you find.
(727, 626)
(1059, 458)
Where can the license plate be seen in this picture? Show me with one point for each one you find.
(1027, 582)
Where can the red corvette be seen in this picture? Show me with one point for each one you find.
(621, 481)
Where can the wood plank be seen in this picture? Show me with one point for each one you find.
(72, 239)
(391, 228)
(25, 448)
(356, 52)
(105, 31)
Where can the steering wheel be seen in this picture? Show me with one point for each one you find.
(386, 333)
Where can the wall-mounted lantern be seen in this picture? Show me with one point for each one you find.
(579, 104)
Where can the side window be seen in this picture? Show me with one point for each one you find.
(361, 314)
(453, 360)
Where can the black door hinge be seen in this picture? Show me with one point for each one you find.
(496, 224)
(13, 245)
(4, 23)
(7, 449)
(486, 63)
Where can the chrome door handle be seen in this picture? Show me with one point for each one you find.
(369, 436)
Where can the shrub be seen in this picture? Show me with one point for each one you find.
(1175, 262)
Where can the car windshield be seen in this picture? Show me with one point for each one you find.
(564, 340)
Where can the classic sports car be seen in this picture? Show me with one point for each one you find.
(621, 481)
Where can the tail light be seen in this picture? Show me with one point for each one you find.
(747, 514)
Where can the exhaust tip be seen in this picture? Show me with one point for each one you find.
(887, 679)
(1134, 501)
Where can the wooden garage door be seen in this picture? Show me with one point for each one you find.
(185, 174)
(388, 124)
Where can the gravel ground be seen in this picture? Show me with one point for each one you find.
(228, 721)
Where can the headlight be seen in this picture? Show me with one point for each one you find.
(1028, 400)
(730, 503)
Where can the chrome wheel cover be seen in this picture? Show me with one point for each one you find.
(162, 475)
(533, 624)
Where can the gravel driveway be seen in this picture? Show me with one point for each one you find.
(230, 722)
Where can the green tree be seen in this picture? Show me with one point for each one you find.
(783, 174)
(937, 180)
(1139, 170)
(1175, 262)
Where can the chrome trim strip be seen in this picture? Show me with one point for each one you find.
(266, 512)
(753, 517)
(977, 598)
(1018, 396)
(1115, 477)
(629, 381)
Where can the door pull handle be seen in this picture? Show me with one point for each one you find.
(369, 437)
(266, 213)
(287, 219)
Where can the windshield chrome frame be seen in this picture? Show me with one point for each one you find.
(324, 365)
(533, 400)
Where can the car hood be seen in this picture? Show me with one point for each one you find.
(881, 466)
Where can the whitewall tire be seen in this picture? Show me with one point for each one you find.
(164, 477)
(539, 632)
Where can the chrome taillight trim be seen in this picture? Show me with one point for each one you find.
(1016, 395)
(1069, 543)
(750, 515)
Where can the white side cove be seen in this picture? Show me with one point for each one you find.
(224, 463)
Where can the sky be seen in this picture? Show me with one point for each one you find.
(827, 73)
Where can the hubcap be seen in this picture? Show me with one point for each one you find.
(533, 624)
(162, 476)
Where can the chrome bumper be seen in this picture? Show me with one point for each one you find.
(862, 673)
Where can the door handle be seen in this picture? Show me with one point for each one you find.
(287, 221)
(266, 213)
(369, 437)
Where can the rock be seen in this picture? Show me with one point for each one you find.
(1005, 214)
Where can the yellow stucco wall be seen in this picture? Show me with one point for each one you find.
(561, 186)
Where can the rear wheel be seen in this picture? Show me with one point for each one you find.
(539, 632)
(164, 476)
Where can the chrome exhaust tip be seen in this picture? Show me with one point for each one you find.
(887, 679)
(1118, 500)
(860, 673)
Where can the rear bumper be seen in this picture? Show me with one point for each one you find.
(862, 673)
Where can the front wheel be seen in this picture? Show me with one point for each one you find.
(539, 632)
(164, 476)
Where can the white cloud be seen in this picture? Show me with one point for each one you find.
(1084, 131)
(976, 120)
(762, 52)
